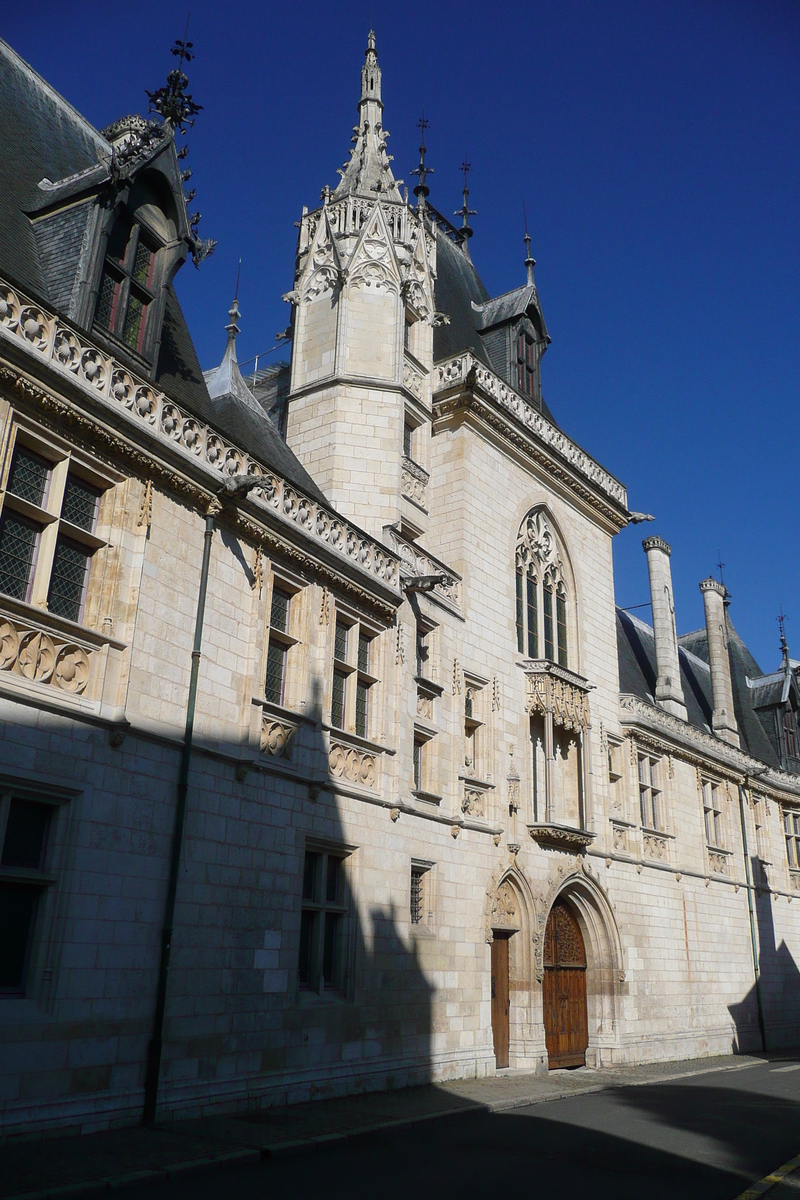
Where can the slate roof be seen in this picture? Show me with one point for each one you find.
(637, 676)
(508, 306)
(44, 137)
(460, 293)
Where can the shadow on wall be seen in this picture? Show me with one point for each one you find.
(294, 970)
(780, 983)
(295, 974)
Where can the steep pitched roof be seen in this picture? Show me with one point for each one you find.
(233, 409)
(43, 138)
(637, 675)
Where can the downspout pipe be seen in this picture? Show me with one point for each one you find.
(751, 913)
(233, 489)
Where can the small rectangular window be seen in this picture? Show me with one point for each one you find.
(322, 953)
(417, 905)
(417, 764)
(423, 651)
(712, 813)
(792, 828)
(408, 440)
(649, 793)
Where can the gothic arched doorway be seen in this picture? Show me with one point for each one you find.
(566, 1026)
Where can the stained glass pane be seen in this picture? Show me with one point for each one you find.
(80, 503)
(17, 547)
(142, 263)
(520, 630)
(107, 301)
(29, 476)
(340, 642)
(133, 322)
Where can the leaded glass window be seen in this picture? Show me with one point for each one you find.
(68, 579)
(18, 539)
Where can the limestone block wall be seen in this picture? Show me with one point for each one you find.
(350, 439)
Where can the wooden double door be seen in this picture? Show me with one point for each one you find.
(566, 1028)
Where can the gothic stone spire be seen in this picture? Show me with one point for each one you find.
(368, 173)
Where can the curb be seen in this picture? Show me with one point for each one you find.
(181, 1170)
(178, 1170)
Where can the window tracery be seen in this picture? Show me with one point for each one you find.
(541, 593)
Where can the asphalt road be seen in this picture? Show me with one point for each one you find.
(708, 1136)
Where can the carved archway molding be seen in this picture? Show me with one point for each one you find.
(508, 881)
(578, 884)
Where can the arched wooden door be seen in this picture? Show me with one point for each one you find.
(566, 1028)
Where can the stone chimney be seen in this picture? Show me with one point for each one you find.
(723, 720)
(669, 693)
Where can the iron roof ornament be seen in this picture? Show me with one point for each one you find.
(422, 191)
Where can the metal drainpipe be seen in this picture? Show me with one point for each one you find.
(752, 915)
(156, 1042)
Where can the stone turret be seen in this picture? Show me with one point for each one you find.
(723, 720)
(669, 692)
(362, 352)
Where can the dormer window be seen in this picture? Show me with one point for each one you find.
(790, 734)
(127, 286)
(525, 364)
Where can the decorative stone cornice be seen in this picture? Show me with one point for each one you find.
(668, 734)
(561, 837)
(464, 384)
(553, 689)
(140, 412)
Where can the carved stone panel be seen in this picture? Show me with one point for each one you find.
(42, 658)
(505, 910)
(276, 737)
(353, 764)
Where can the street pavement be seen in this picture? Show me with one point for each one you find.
(711, 1136)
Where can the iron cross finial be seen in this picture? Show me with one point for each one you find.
(465, 212)
(422, 191)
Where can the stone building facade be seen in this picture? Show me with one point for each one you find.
(449, 810)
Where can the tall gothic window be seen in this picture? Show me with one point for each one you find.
(541, 593)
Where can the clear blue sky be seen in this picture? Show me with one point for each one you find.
(657, 147)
